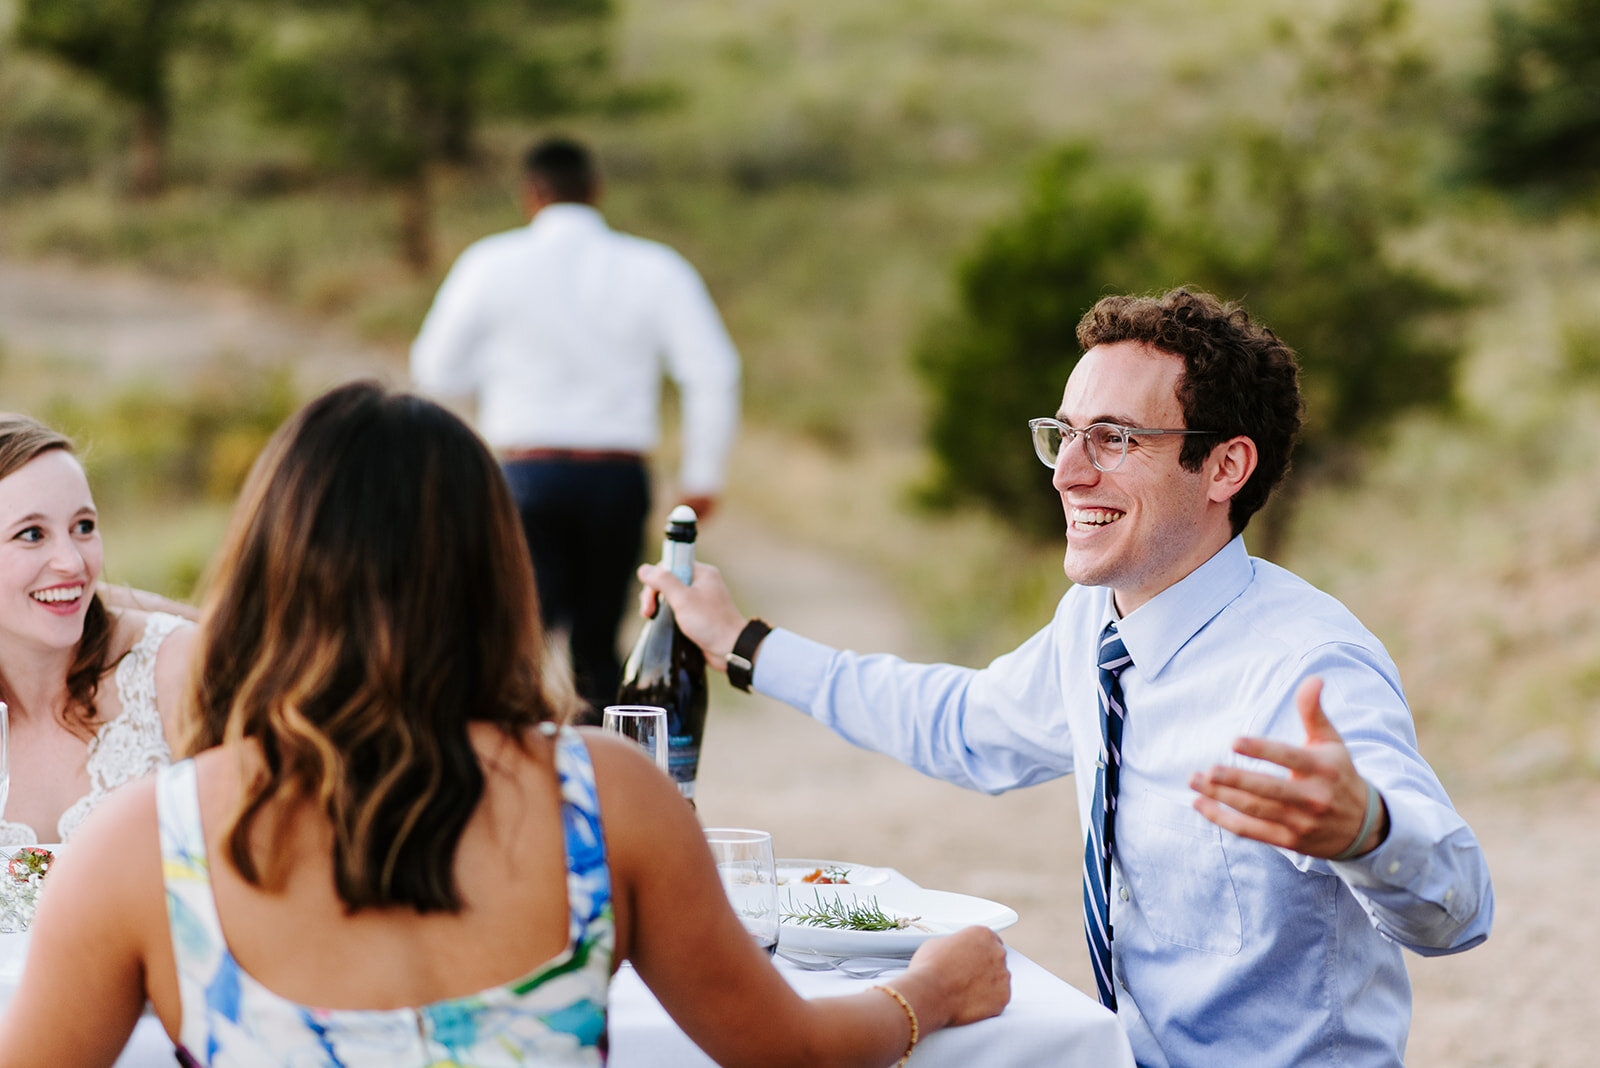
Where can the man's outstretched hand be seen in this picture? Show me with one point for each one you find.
(1317, 810)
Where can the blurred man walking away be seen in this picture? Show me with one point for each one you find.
(562, 330)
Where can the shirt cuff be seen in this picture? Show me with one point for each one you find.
(1397, 862)
(790, 668)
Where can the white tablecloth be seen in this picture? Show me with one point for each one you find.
(1048, 1022)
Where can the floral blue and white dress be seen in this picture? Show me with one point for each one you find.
(554, 1015)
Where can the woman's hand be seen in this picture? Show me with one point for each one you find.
(967, 975)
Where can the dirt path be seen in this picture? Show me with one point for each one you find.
(110, 326)
(1526, 998)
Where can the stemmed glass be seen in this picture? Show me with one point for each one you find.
(750, 877)
(644, 725)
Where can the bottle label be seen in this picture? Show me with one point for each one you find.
(683, 759)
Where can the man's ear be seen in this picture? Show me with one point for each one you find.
(1230, 465)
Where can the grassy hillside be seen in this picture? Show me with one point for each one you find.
(825, 163)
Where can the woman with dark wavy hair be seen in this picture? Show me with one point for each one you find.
(91, 690)
(391, 852)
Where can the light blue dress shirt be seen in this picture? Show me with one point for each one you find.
(1226, 951)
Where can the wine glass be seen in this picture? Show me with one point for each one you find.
(644, 725)
(750, 877)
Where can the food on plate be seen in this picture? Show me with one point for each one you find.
(855, 915)
(813, 871)
(20, 886)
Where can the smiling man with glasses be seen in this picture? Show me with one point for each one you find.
(1260, 835)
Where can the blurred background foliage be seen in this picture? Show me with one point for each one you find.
(1296, 218)
(1539, 128)
(903, 208)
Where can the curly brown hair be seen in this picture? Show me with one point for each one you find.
(373, 600)
(1238, 379)
(23, 440)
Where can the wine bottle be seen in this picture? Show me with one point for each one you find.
(666, 668)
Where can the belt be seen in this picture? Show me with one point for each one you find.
(583, 456)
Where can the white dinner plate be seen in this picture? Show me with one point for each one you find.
(792, 872)
(935, 912)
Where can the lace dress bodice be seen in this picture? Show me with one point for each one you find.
(127, 748)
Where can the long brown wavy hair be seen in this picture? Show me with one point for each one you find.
(373, 598)
(23, 440)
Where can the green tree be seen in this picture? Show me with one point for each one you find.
(1302, 227)
(1296, 220)
(386, 88)
(1540, 98)
(1079, 234)
(126, 45)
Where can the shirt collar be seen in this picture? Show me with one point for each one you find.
(568, 215)
(1157, 629)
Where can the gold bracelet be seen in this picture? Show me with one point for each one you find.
(911, 1014)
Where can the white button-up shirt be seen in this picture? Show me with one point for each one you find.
(562, 330)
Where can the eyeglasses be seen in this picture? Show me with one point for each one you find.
(1105, 443)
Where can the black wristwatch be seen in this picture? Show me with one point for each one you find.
(741, 662)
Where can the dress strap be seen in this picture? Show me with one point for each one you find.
(192, 920)
(588, 874)
(136, 671)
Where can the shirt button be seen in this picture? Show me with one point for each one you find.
(1124, 893)
(1394, 866)
(1448, 894)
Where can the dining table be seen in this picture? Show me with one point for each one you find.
(1047, 1021)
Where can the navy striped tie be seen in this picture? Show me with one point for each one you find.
(1102, 815)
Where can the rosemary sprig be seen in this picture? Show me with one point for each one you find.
(847, 915)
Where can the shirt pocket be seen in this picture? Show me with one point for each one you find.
(1173, 861)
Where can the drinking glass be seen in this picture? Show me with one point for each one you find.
(750, 876)
(645, 725)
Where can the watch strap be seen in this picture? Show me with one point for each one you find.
(741, 662)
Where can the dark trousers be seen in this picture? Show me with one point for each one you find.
(584, 520)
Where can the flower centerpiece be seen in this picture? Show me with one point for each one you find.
(20, 886)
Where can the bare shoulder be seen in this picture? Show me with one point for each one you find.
(620, 768)
(174, 676)
(116, 846)
(177, 648)
(645, 818)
